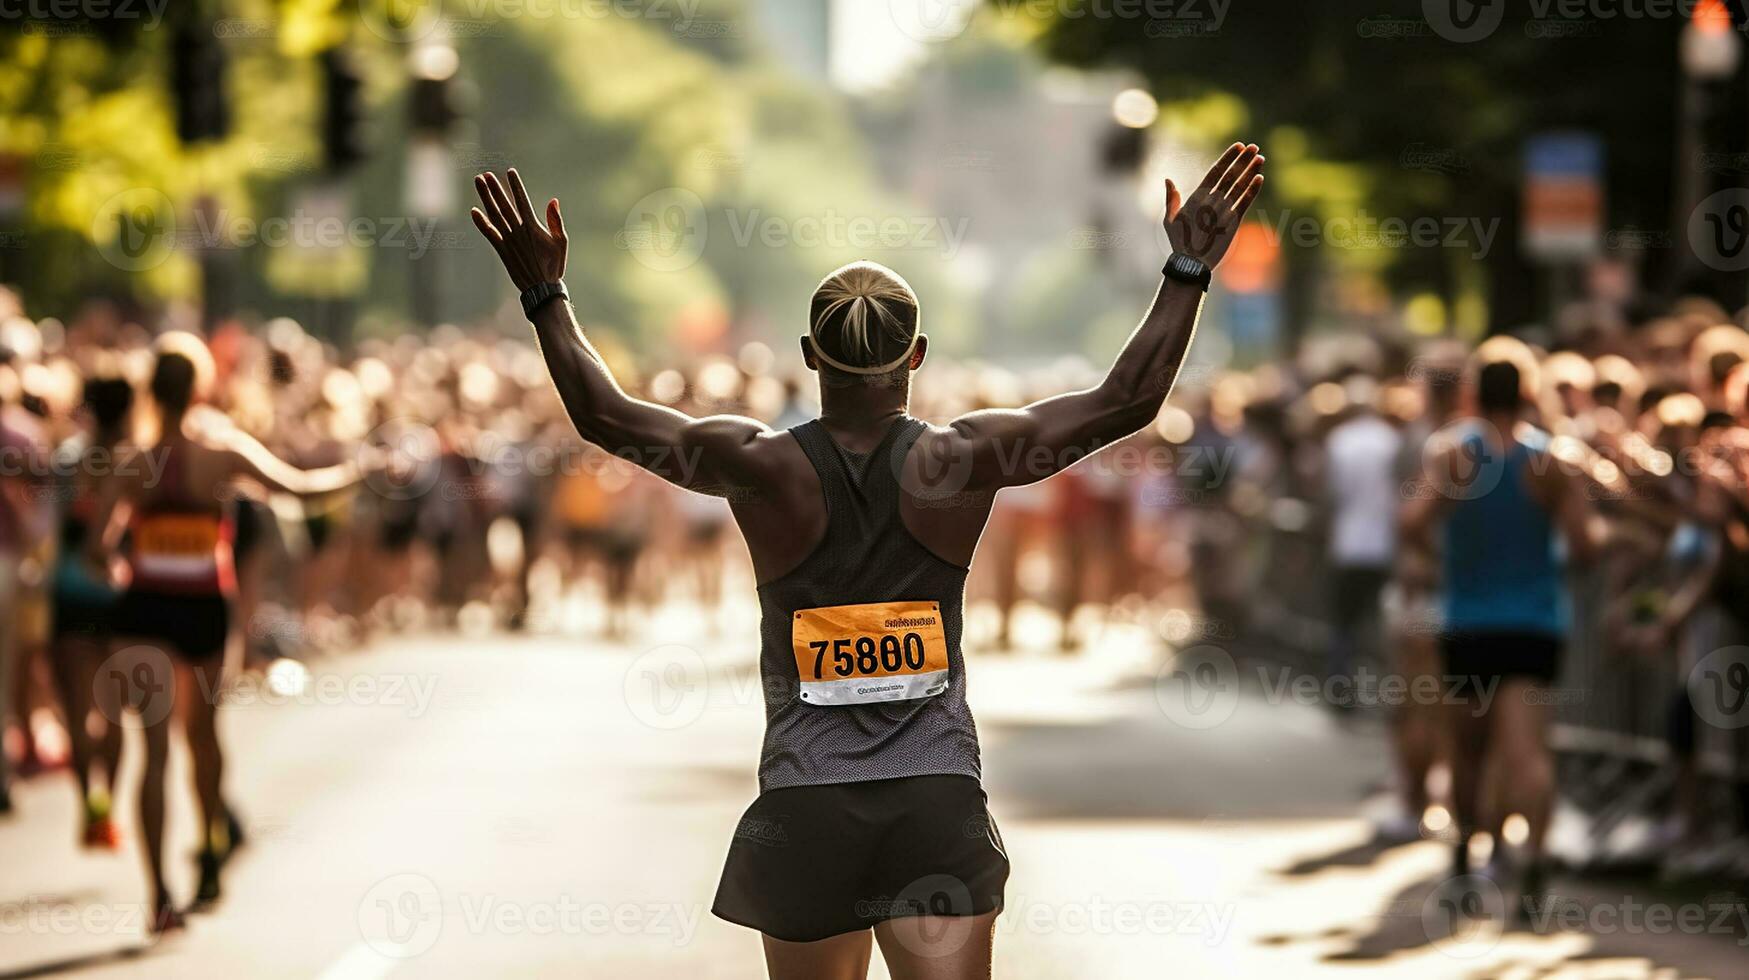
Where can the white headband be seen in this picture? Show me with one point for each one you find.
(878, 369)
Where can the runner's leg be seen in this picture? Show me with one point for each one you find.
(150, 680)
(199, 694)
(1467, 728)
(842, 957)
(1526, 770)
(931, 947)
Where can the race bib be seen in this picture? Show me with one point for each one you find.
(176, 547)
(877, 651)
(177, 536)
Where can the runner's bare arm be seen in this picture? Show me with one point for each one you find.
(1018, 446)
(247, 459)
(1428, 495)
(1573, 514)
(709, 455)
(113, 494)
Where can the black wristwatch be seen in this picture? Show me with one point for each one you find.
(539, 293)
(1186, 269)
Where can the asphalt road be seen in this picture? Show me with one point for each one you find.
(513, 806)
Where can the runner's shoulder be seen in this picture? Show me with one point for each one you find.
(747, 450)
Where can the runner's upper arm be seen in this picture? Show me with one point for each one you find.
(995, 448)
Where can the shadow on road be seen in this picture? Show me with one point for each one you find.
(74, 963)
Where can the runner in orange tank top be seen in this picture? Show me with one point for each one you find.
(172, 627)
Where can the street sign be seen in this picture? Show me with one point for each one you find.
(1563, 197)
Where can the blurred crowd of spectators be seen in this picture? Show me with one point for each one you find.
(1259, 511)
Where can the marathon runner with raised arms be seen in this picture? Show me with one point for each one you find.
(861, 525)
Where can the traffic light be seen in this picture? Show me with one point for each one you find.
(432, 106)
(343, 123)
(197, 78)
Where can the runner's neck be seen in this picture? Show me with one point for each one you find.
(858, 416)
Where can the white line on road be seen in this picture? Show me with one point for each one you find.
(361, 962)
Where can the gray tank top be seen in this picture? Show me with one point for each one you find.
(866, 556)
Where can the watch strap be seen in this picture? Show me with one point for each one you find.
(535, 296)
(1186, 269)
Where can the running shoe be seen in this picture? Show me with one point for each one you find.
(208, 892)
(101, 834)
(165, 919)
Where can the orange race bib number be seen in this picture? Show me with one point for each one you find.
(176, 547)
(191, 536)
(864, 654)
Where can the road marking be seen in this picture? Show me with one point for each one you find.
(360, 963)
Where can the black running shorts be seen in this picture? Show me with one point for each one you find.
(812, 862)
(1486, 658)
(193, 627)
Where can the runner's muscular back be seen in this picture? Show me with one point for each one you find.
(783, 516)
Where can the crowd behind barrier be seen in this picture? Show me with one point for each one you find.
(1257, 514)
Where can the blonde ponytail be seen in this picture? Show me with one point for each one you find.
(861, 311)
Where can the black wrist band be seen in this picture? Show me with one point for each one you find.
(1186, 269)
(537, 295)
